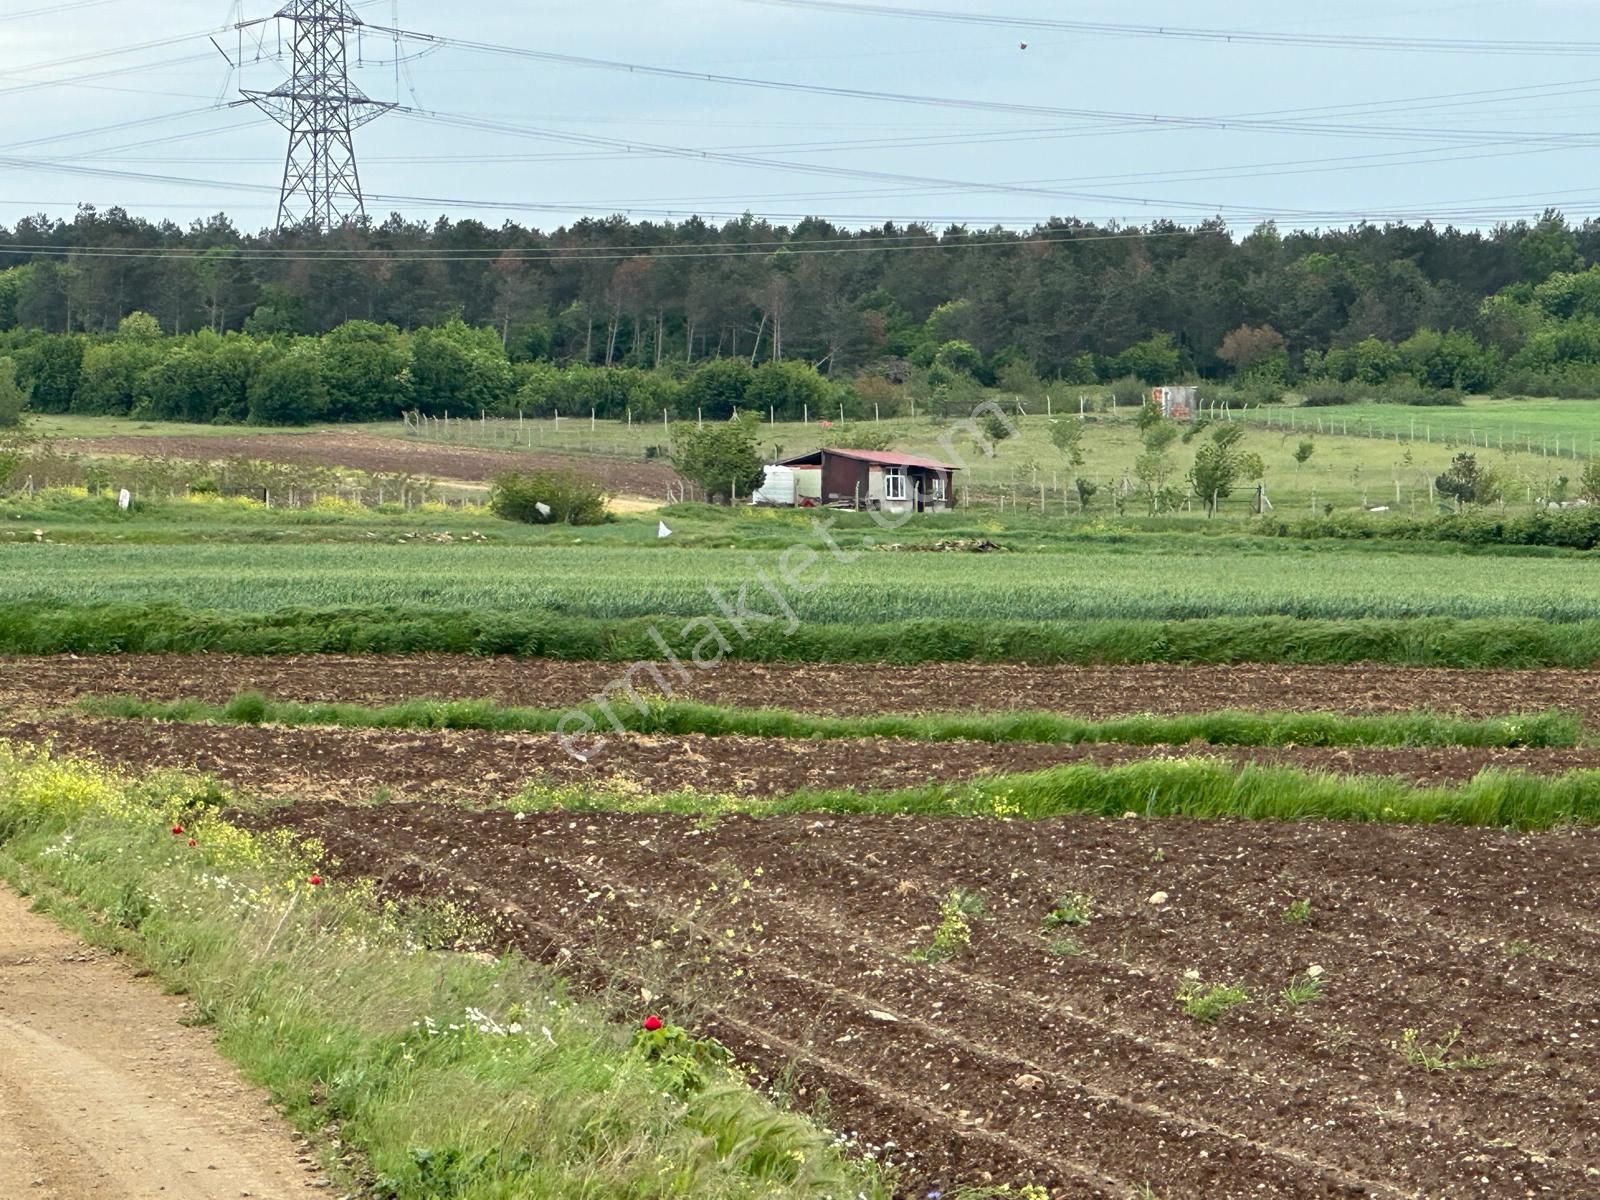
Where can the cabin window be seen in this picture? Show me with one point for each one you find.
(894, 483)
(938, 487)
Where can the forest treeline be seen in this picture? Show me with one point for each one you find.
(108, 313)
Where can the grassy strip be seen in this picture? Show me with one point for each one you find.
(1544, 730)
(455, 1074)
(168, 629)
(1195, 788)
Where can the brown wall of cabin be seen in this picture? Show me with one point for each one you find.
(840, 477)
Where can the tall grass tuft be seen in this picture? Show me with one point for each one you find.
(1195, 788)
(1544, 730)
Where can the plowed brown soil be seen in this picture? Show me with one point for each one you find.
(356, 764)
(371, 452)
(1071, 1065)
(1094, 692)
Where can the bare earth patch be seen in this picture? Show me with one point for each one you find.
(847, 689)
(1021, 1059)
(104, 1094)
(363, 451)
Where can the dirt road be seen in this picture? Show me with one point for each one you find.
(105, 1096)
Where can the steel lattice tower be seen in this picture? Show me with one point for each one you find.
(321, 108)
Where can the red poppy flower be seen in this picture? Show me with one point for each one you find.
(177, 831)
(651, 1024)
(316, 881)
(192, 842)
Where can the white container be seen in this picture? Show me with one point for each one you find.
(779, 490)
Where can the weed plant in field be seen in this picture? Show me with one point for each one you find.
(1442, 1055)
(954, 932)
(1208, 1003)
(1304, 988)
(1071, 912)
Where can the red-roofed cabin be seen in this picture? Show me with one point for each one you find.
(872, 479)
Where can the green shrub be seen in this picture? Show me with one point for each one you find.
(1127, 392)
(1328, 395)
(13, 396)
(1571, 529)
(1419, 397)
(548, 498)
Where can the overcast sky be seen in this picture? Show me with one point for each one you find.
(1412, 133)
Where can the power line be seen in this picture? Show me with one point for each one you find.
(35, 85)
(1142, 202)
(116, 128)
(1112, 121)
(1347, 120)
(49, 9)
(1227, 36)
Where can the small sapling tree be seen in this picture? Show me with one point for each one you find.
(723, 459)
(1468, 482)
(1066, 435)
(1221, 465)
(1589, 483)
(997, 428)
(1302, 455)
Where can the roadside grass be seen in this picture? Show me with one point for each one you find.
(1194, 788)
(1544, 730)
(454, 1073)
(51, 626)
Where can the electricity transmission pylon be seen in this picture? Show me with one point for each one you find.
(321, 108)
